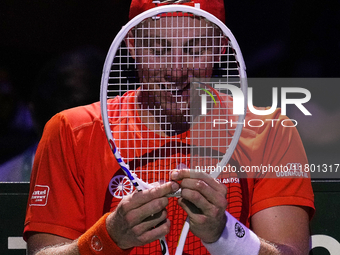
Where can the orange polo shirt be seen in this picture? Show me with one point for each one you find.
(75, 175)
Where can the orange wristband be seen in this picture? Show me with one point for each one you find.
(97, 240)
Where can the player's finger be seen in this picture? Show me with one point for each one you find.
(178, 175)
(151, 222)
(140, 214)
(216, 197)
(140, 198)
(154, 233)
(197, 203)
(202, 183)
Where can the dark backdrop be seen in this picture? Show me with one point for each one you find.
(278, 39)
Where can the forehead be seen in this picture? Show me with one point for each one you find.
(176, 26)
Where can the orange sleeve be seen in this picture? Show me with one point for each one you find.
(279, 146)
(56, 203)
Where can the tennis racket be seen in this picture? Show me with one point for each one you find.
(165, 105)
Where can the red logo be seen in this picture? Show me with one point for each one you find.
(40, 195)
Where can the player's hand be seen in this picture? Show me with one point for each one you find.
(140, 218)
(204, 199)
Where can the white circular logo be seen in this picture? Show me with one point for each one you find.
(120, 186)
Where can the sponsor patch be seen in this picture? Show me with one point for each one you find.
(40, 195)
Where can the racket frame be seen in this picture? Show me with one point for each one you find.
(138, 183)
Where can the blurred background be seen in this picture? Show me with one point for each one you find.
(46, 46)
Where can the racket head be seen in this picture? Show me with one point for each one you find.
(151, 147)
(113, 85)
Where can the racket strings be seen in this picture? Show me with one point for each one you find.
(153, 154)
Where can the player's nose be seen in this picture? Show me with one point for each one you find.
(176, 66)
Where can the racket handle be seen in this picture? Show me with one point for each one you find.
(183, 237)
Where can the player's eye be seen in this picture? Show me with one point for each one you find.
(157, 47)
(160, 51)
(195, 47)
(194, 51)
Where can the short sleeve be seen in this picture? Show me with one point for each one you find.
(56, 203)
(286, 182)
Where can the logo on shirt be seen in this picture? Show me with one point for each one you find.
(40, 195)
(228, 180)
(120, 186)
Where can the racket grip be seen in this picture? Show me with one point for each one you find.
(183, 237)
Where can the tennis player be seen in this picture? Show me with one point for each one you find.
(72, 208)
